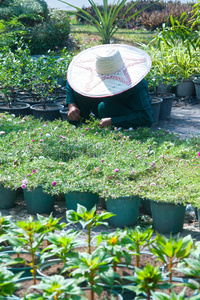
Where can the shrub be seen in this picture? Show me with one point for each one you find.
(50, 35)
(28, 11)
(152, 17)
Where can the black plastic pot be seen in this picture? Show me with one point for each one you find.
(166, 105)
(18, 109)
(64, 113)
(60, 100)
(50, 113)
(155, 106)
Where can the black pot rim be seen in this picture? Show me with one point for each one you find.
(54, 106)
(22, 105)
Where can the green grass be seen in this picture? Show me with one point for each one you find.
(87, 36)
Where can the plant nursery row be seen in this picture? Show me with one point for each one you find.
(59, 158)
(42, 259)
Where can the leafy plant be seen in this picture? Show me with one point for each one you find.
(147, 280)
(57, 287)
(30, 236)
(111, 20)
(6, 226)
(171, 250)
(61, 245)
(115, 244)
(172, 296)
(50, 224)
(88, 219)
(139, 240)
(7, 282)
(92, 267)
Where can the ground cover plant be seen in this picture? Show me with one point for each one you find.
(63, 158)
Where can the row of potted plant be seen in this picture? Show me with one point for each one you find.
(31, 79)
(128, 165)
(129, 262)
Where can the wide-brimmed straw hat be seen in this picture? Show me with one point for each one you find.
(107, 70)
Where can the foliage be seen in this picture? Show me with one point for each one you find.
(7, 282)
(115, 244)
(30, 236)
(61, 245)
(172, 250)
(28, 11)
(138, 239)
(49, 35)
(108, 22)
(89, 219)
(152, 17)
(148, 280)
(57, 287)
(93, 268)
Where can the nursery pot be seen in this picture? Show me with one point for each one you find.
(60, 100)
(64, 113)
(28, 99)
(7, 197)
(18, 109)
(51, 112)
(155, 106)
(197, 87)
(45, 265)
(38, 202)
(87, 199)
(167, 217)
(166, 105)
(185, 87)
(126, 210)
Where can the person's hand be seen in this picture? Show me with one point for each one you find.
(74, 113)
(105, 122)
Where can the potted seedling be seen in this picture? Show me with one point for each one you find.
(6, 226)
(58, 288)
(88, 219)
(60, 249)
(8, 282)
(147, 280)
(11, 68)
(171, 251)
(92, 268)
(50, 224)
(138, 240)
(30, 236)
(115, 244)
(43, 83)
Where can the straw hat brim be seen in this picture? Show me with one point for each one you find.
(84, 79)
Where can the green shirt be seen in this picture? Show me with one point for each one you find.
(131, 108)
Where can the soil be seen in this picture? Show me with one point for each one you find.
(15, 105)
(26, 257)
(25, 285)
(52, 106)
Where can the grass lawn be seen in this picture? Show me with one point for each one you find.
(87, 36)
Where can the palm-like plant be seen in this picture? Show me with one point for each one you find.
(111, 20)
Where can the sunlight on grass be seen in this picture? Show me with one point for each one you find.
(87, 36)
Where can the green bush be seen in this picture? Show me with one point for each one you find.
(49, 35)
(28, 11)
(152, 17)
